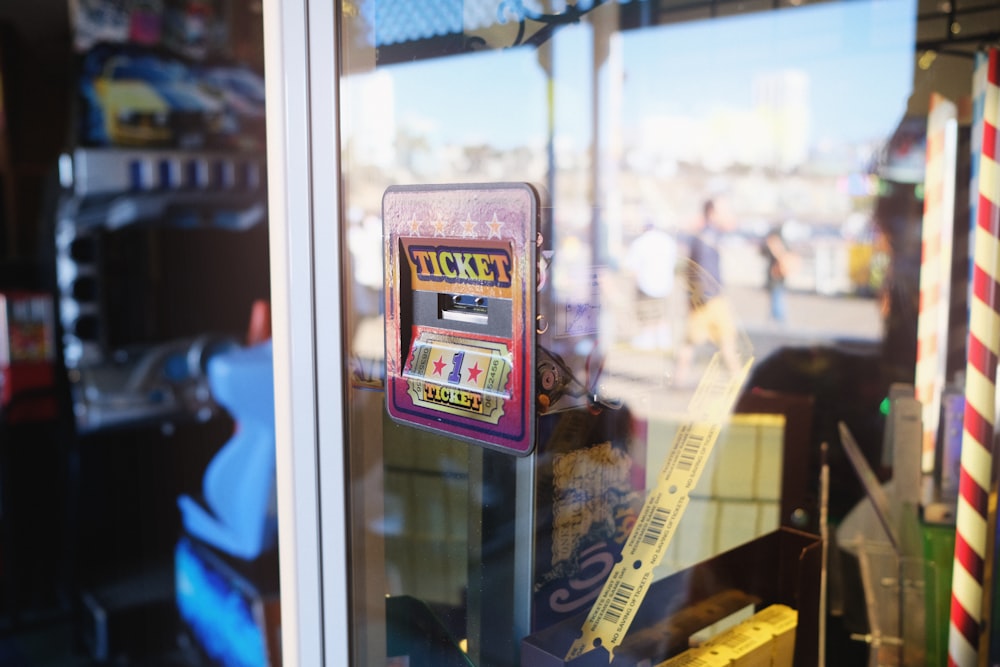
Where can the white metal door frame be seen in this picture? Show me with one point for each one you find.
(302, 76)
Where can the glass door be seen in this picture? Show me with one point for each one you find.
(722, 198)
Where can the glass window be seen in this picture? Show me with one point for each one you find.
(723, 225)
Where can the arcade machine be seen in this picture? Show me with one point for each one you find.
(161, 252)
(34, 440)
(27, 354)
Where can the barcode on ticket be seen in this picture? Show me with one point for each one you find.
(654, 531)
(619, 602)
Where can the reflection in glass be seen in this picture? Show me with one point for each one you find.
(777, 118)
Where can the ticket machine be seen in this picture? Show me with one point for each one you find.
(461, 321)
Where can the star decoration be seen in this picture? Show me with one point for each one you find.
(438, 227)
(468, 227)
(474, 372)
(414, 227)
(495, 226)
(439, 365)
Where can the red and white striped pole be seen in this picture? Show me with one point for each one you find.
(972, 532)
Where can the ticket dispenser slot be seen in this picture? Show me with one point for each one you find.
(460, 265)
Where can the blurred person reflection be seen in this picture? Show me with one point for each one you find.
(710, 318)
(780, 263)
(651, 260)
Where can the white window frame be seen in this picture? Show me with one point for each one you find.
(302, 78)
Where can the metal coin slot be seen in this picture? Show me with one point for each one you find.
(464, 308)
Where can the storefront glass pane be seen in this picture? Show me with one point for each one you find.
(798, 130)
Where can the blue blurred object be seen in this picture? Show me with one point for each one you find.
(237, 513)
(217, 611)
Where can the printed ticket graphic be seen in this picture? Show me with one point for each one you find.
(610, 617)
(459, 376)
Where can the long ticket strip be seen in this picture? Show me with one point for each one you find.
(630, 578)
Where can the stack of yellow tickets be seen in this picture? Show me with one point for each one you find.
(767, 639)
